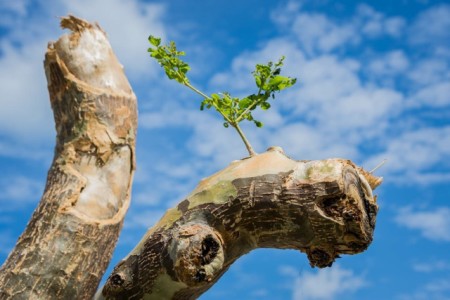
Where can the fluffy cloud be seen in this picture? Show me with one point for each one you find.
(435, 95)
(419, 156)
(432, 224)
(11, 9)
(20, 190)
(25, 112)
(317, 33)
(430, 70)
(375, 24)
(435, 289)
(431, 27)
(430, 267)
(391, 63)
(328, 283)
(307, 142)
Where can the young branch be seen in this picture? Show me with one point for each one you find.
(249, 147)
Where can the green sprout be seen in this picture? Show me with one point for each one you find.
(233, 110)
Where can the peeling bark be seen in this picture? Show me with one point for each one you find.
(323, 208)
(69, 240)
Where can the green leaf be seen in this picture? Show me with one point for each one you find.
(258, 124)
(154, 40)
(245, 103)
(275, 81)
(258, 81)
(265, 105)
(215, 97)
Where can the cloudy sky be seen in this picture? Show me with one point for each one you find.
(373, 84)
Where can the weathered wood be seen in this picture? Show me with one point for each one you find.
(323, 208)
(69, 240)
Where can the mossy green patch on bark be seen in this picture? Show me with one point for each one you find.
(219, 193)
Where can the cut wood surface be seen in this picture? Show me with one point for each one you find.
(323, 208)
(69, 240)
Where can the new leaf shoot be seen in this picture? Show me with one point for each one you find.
(233, 110)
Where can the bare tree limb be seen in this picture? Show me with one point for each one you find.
(323, 208)
(69, 240)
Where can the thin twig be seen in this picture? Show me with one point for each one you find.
(378, 166)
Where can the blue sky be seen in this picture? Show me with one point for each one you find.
(373, 84)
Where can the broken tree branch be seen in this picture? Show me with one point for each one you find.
(69, 240)
(323, 208)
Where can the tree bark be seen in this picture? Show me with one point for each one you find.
(323, 208)
(68, 243)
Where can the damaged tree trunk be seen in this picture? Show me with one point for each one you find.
(323, 208)
(69, 240)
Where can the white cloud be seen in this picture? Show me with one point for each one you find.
(317, 33)
(143, 218)
(428, 71)
(20, 190)
(360, 109)
(394, 26)
(438, 286)
(284, 15)
(16, 7)
(25, 113)
(328, 283)
(432, 224)
(435, 95)
(302, 141)
(436, 289)
(430, 267)
(391, 63)
(375, 24)
(164, 183)
(432, 26)
(419, 156)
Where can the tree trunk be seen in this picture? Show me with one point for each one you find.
(324, 208)
(70, 238)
